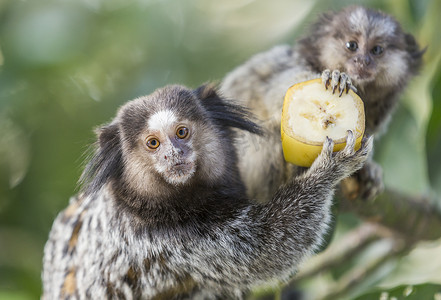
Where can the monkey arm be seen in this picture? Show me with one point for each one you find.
(257, 242)
(262, 243)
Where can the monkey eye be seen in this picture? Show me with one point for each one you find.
(377, 50)
(153, 143)
(352, 45)
(182, 132)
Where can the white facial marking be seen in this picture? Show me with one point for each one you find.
(162, 120)
(383, 28)
(175, 168)
(358, 19)
(375, 27)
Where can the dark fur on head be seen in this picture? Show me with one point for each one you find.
(104, 160)
(204, 106)
(226, 113)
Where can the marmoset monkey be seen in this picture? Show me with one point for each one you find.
(163, 213)
(369, 46)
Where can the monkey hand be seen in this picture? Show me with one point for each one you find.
(366, 184)
(334, 166)
(337, 79)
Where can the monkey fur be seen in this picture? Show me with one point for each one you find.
(369, 46)
(163, 214)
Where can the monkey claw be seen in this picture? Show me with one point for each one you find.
(337, 79)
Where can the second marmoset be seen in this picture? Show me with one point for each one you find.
(369, 46)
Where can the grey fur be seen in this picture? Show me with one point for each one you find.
(199, 238)
(261, 82)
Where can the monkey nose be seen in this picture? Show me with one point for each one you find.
(179, 151)
(367, 60)
(363, 60)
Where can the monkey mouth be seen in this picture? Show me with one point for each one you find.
(181, 166)
(180, 172)
(361, 76)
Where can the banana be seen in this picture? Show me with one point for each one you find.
(311, 113)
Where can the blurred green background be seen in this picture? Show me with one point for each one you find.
(67, 65)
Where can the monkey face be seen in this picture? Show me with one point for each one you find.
(169, 143)
(369, 46)
(362, 59)
(369, 60)
(159, 146)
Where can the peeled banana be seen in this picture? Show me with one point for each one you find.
(311, 113)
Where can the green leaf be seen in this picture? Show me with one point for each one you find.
(15, 295)
(433, 140)
(406, 292)
(401, 153)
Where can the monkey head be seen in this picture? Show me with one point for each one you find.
(370, 46)
(171, 139)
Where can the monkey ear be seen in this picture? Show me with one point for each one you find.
(225, 112)
(105, 160)
(412, 46)
(206, 91)
(107, 134)
(414, 51)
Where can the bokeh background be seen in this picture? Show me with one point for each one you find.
(67, 65)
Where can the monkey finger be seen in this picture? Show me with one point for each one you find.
(328, 147)
(326, 75)
(350, 143)
(335, 79)
(365, 139)
(353, 88)
(343, 83)
(366, 145)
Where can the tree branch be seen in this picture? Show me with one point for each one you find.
(347, 247)
(415, 218)
(360, 273)
(392, 215)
